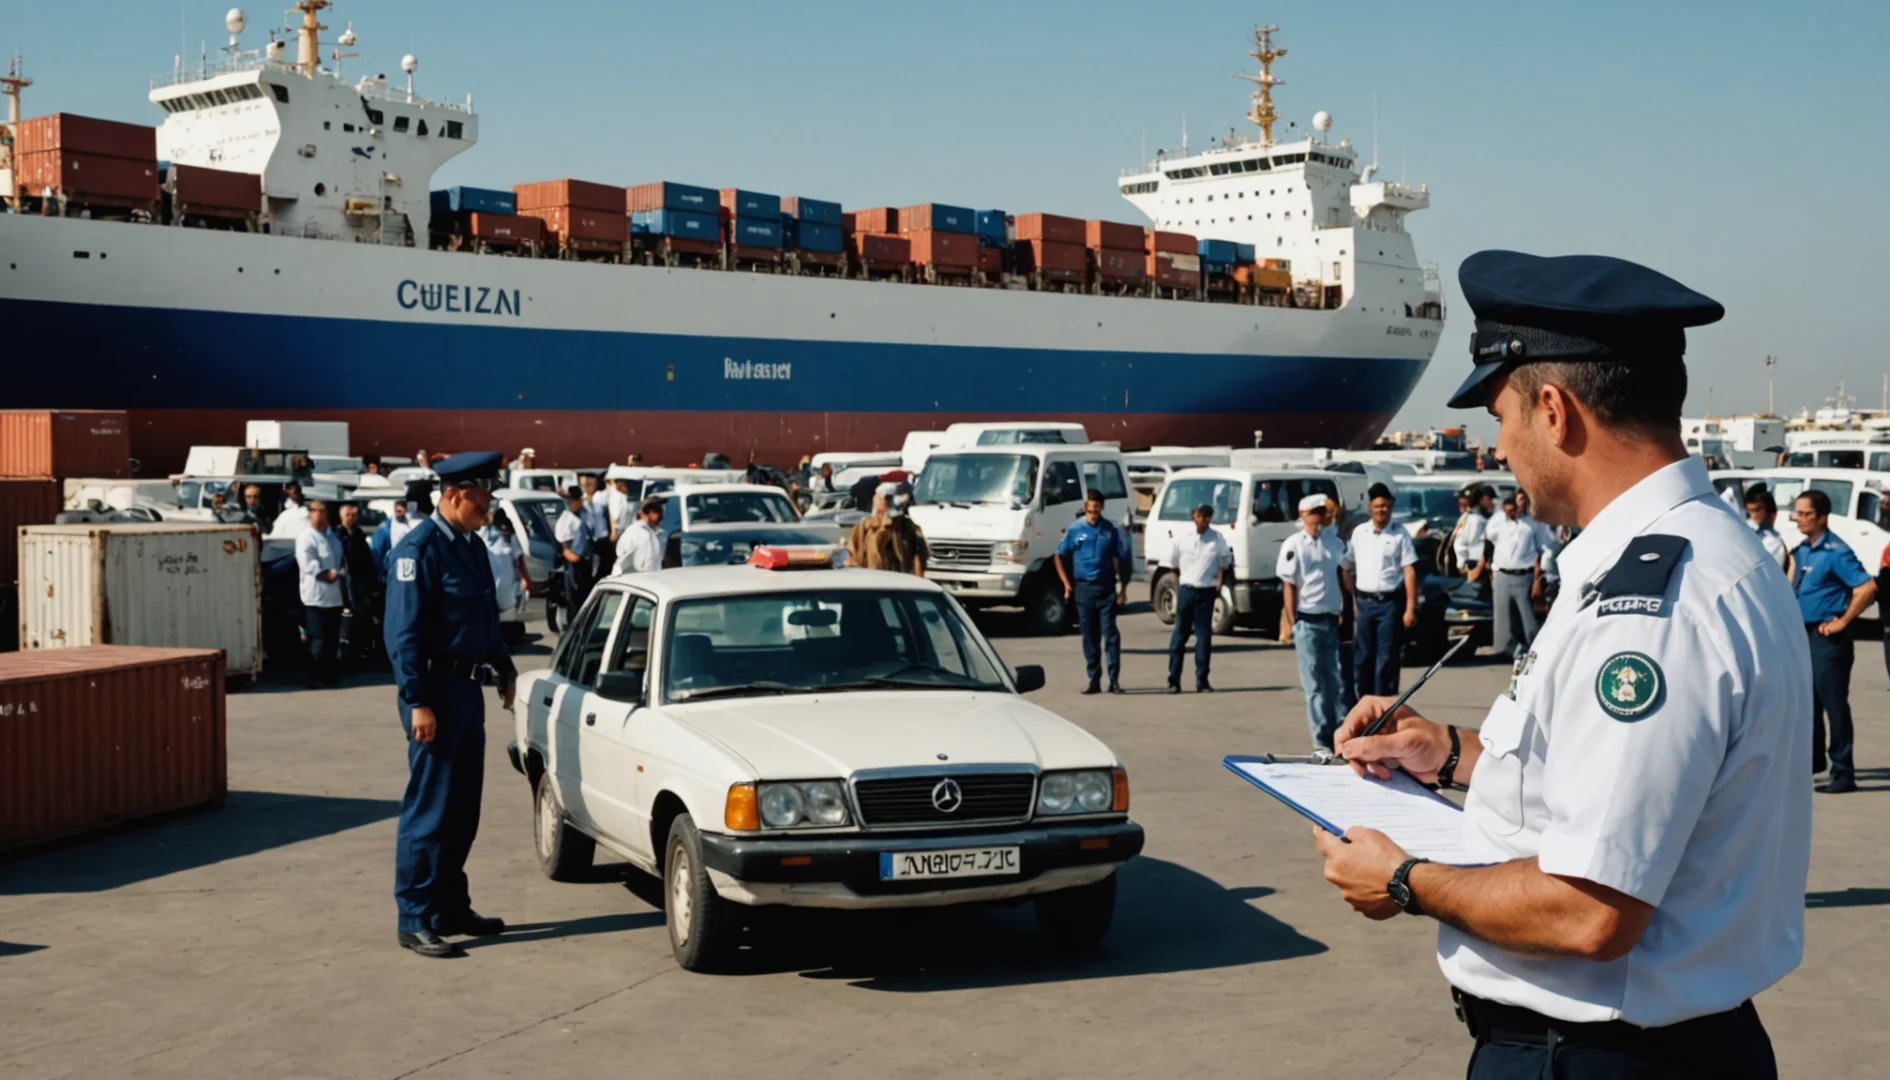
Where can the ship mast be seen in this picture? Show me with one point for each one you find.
(308, 50)
(11, 84)
(1262, 112)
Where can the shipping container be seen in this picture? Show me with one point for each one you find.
(473, 200)
(1120, 267)
(993, 228)
(685, 223)
(664, 195)
(1278, 264)
(107, 735)
(883, 250)
(820, 258)
(1219, 251)
(505, 228)
(818, 211)
(741, 254)
(170, 584)
(880, 219)
(1174, 271)
(1114, 236)
(575, 194)
(81, 177)
(319, 438)
(65, 442)
(1244, 253)
(751, 204)
(86, 135)
(9, 618)
(990, 259)
(1056, 262)
(804, 235)
(938, 217)
(195, 189)
(682, 245)
(1272, 280)
(942, 248)
(1051, 227)
(571, 223)
(1170, 242)
(23, 501)
(755, 232)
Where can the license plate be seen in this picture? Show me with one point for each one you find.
(964, 862)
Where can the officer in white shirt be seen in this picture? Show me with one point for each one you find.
(1638, 823)
(1516, 558)
(574, 552)
(1311, 567)
(1200, 560)
(1761, 513)
(318, 559)
(620, 508)
(1466, 540)
(294, 516)
(1382, 563)
(640, 549)
(597, 515)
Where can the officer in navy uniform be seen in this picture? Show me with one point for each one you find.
(1094, 562)
(442, 636)
(1637, 829)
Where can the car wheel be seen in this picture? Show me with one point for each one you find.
(1077, 918)
(702, 929)
(1165, 597)
(1224, 614)
(564, 853)
(551, 614)
(1046, 608)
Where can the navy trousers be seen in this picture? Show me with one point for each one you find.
(1831, 660)
(1194, 614)
(577, 587)
(439, 814)
(1733, 1046)
(1096, 617)
(1376, 645)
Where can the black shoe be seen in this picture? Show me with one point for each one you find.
(1202, 687)
(1116, 688)
(428, 943)
(1838, 785)
(1093, 688)
(472, 924)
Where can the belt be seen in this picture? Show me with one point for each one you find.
(1316, 616)
(1490, 1021)
(1500, 570)
(1381, 597)
(457, 668)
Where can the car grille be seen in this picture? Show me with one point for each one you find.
(959, 552)
(907, 800)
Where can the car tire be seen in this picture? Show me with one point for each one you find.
(1046, 609)
(1165, 596)
(1076, 919)
(564, 854)
(702, 926)
(1224, 613)
(551, 614)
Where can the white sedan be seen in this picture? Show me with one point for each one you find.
(785, 733)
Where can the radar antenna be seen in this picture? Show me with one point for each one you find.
(1262, 112)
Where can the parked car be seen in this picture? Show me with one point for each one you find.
(731, 543)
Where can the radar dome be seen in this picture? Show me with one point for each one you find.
(409, 64)
(347, 40)
(1322, 120)
(235, 20)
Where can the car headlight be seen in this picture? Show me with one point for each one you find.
(1010, 551)
(1090, 791)
(802, 804)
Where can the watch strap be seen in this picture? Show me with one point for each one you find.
(1399, 888)
(1446, 774)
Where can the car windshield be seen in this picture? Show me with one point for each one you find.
(823, 641)
(738, 506)
(719, 548)
(1430, 503)
(968, 479)
(538, 515)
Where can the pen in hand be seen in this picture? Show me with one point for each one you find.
(1385, 717)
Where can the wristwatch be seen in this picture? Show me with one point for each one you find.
(1447, 772)
(1399, 888)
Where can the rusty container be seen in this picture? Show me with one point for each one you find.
(1114, 236)
(505, 227)
(568, 193)
(1272, 280)
(580, 226)
(1051, 227)
(65, 442)
(86, 135)
(195, 189)
(23, 501)
(880, 219)
(107, 735)
(1055, 261)
(1121, 267)
(990, 260)
(883, 252)
(946, 250)
(1171, 243)
(1175, 271)
(90, 178)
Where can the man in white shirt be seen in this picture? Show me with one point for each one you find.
(1516, 558)
(1200, 560)
(294, 516)
(574, 552)
(318, 559)
(640, 549)
(1466, 540)
(1381, 564)
(371, 477)
(620, 509)
(597, 516)
(1761, 513)
(1311, 569)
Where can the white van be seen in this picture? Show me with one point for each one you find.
(993, 516)
(1255, 510)
(1860, 503)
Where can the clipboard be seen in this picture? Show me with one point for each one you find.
(1419, 820)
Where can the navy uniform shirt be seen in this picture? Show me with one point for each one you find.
(1094, 551)
(1825, 574)
(441, 605)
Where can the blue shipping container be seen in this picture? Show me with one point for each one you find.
(472, 200)
(753, 204)
(1220, 251)
(991, 229)
(680, 197)
(685, 223)
(754, 232)
(944, 219)
(1247, 252)
(814, 236)
(1222, 268)
(819, 211)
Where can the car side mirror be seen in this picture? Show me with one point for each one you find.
(1029, 677)
(624, 686)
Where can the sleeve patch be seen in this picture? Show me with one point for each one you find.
(404, 569)
(1629, 686)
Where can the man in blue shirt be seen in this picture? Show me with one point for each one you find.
(1093, 561)
(1833, 588)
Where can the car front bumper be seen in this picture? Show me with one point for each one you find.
(973, 586)
(844, 871)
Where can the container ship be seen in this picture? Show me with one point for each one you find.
(274, 247)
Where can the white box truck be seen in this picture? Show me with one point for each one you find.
(316, 438)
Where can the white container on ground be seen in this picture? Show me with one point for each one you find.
(316, 438)
(178, 585)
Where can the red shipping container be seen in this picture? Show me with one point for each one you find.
(1109, 234)
(877, 249)
(194, 187)
(1170, 274)
(755, 254)
(1059, 230)
(573, 193)
(23, 502)
(881, 219)
(990, 260)
(75, 175)
(1121, 266)
(505, 227)
(848, 219)
(571, 223)
(1057, 262)
(59, 443)
(683, 245)
(1171, 242)
(819, 258)
(86, 135)
(956, 251)
(107, 734)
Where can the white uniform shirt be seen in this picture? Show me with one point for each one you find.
(292, 522)
(315, 553)
(1313, 567)
(1469, 542)
(1198, 558)
(618, 511)
(1695, 798)
(573, 533)
(1545, 543)
(398, 529)
(504, 552)
(1377, 559)
(1773, 542)
(597, 514)
(640, 549)
(1517, 543)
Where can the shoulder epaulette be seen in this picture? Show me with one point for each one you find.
(1637, 583)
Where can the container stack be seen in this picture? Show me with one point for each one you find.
(994, 238)
(1050, 252)
(1218, 261)
(674, 224)
(105, 167)
(582, 220)
(214, 198)
(751, 225)
(1173, 264)
(40, 449)
(812, 233)
(875, 246)
(944, 240)
(481, 219)
(1120, 255)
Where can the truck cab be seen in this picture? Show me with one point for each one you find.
(993, 516)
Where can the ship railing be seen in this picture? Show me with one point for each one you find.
(207, 69)
(382, 90)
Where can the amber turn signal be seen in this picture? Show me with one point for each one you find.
(1121, 805)
(741, 813)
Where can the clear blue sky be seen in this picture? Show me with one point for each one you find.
(1736, 146)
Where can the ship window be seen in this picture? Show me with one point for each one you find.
(400, 123)
(345, 126)
(454, 130)
(325, 126)
(281, 92)
(374, 116)
(423, 128)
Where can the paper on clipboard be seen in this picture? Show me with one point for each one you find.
(1416, 819)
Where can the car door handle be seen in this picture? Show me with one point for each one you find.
(590, 719)
(544, 701)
